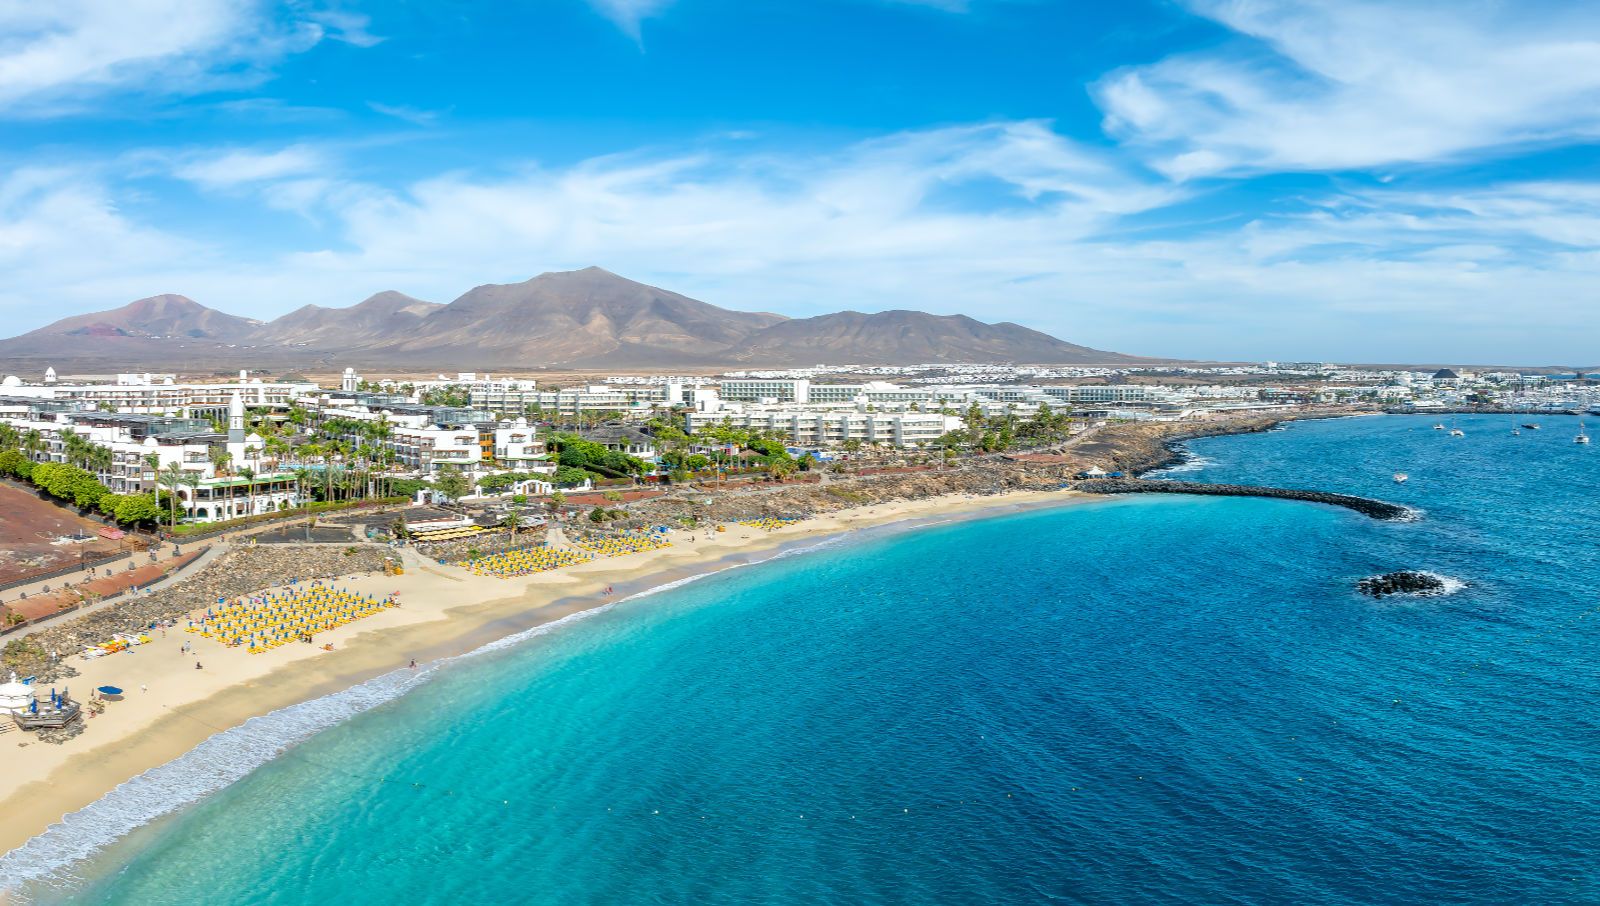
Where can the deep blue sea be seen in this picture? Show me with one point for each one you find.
(1151, 700)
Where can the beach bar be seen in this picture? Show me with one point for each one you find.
(30, 712)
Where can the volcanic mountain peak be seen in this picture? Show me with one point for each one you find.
(585, 318)
(166, 315)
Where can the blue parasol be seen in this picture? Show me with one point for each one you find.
(110, 690)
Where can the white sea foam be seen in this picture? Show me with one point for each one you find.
(1191, 463)
(1451, 585)
(1411, 514)
(228, 756)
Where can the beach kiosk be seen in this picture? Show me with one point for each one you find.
(15, 696)
(30, 712)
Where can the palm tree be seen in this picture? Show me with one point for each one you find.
(171, 477)
(307, 453)
(302, 477)
(191, 480)
(249, 476)
(220, 458)
(276, 448)
(152, 461)
(72, 446)
(33, 443)
(99, 460)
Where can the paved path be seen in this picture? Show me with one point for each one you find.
(182, 573)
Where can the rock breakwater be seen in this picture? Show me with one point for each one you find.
(1377, 509)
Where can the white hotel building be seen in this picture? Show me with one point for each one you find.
(135, 438)
(830, 428)
(424, 439)
(150, 394)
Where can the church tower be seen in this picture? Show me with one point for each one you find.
(236, 420)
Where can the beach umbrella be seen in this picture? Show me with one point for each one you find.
(110, 690)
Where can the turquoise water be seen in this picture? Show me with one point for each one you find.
(1168, 700)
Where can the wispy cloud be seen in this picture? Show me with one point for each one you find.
(55, 57)
(628, 14)
(413, 115)
(63, 233)
(1005, 221)
(1339, 84)
(246, 167)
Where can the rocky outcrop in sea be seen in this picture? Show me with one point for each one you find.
(1404, 582)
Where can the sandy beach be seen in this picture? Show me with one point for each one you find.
(169, 706)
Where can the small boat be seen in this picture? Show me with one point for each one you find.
(1439, 427)
(1457, 432)
(1401, 478)
(1531, 426)
(1583, 436)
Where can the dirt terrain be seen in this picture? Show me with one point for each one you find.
(30, 529)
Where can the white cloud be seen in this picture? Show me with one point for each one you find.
(1337, 84)
(243, 167)
(1002, 221)
(69, 248)
(55, 55)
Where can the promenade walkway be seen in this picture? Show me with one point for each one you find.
(115, 588)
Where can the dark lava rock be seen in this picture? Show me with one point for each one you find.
(1405, 582)
(1377, 509)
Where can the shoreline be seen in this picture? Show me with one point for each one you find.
(446, 613)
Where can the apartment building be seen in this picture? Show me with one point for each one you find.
(149, 394)
(831, 428)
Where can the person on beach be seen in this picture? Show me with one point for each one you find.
(413, 663)
(197, 666)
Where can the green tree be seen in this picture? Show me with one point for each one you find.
(451, 483)
(137, 508)
(779, 469)
(13, 463)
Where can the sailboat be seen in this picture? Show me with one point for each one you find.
(1515, 431)
(1454, 431)
(1439, 427)
(1401, 478)
(1583, 436)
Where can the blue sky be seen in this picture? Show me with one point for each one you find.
(1355, 181)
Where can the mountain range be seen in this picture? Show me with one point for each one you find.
(589, 318)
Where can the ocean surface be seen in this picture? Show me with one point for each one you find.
(1142, 700)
